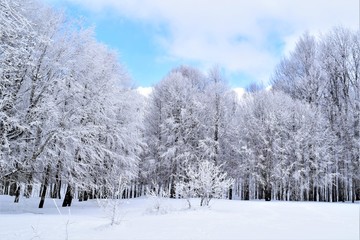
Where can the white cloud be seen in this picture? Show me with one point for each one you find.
(240, 35)
(240, 92)
(145, 91)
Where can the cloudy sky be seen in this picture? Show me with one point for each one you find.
(246, 38)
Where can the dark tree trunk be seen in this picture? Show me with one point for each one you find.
(86, 196)
(267, 191)
(29, 187)
(43, 195)
(353, 190)
(93, 194)
(123, 195)
(41, 189)
(56, 192)
(246, 192)
(172, 189)
(334, 193)
(44, 187)
(230, 193)
(13, 187)
(341, 191)
(68, 197)
(7, 185)
(17, 195)
(81, 195)
(135, 190)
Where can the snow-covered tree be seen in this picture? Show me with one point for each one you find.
(173, 125)
(15, 48)
(204, 180)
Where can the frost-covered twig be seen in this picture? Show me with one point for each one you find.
(157, 194)
(67, 220)
(35, 232)
(111, 205)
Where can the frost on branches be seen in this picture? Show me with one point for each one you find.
(111, 203)
(157, 194)
(206, 181)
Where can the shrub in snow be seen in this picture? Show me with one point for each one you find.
(206, 181)
(187, 186)
(112, 209)
(111, 204)
(157, 195)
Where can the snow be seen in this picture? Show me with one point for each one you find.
(224, 219)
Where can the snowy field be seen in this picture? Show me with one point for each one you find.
(224, 219)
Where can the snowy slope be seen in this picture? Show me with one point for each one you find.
(223, 220)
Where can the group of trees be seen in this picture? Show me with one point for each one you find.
(187, 122)
(274, 144)
(297, 141)
(285, 149)
(325, 74)
(65, 114)
(70, 123)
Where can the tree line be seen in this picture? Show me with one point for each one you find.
(71, 124)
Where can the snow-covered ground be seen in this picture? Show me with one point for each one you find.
(224, 219)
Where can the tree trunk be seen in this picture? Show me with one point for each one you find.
(68, 197)
(81, 195)
(44, 188)
(267, 191)
(86, 196)
(29, 187)
(56, 192)
(6, 189)
(230, 193)
(353, 190)
(17, 195)
(172, 190)
(43, 195)
(246, 191)
(13, 187)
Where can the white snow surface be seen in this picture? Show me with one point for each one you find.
(224, 219)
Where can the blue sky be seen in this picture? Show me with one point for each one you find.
(245, 38)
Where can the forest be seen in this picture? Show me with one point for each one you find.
(72, 125)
